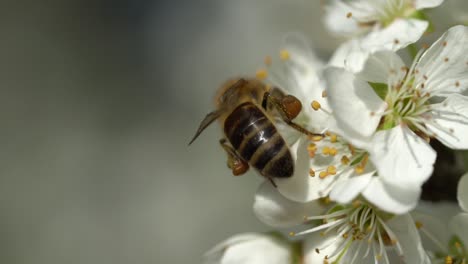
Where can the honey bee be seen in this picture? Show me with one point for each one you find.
(247, 110)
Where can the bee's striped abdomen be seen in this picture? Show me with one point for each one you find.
(257, 141)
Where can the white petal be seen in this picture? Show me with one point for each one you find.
(381, 65)
(401, 157)
(356, 107)
(420, 4)
(408, 236)
(445, 63)
(462, 192)
(391, 198)
(437, 227)
(459, 226)
(345, 191)
(249, 249)
(396, 36)
(350, 56)
(301, 187)
(275, 210)
(451, 118)
(338, 21)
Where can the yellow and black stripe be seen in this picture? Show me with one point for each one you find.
(257, 141)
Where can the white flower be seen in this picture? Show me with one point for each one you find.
(447, 235)
(250, 248)
(343, 233)
(380, 25)
(390, 110)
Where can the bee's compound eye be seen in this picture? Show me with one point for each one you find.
(291, 105)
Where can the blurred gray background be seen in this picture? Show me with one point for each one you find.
(98, 102)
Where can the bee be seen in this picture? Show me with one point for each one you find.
(247, 110)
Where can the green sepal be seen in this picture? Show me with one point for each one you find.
(380, 89)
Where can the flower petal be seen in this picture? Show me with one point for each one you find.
(315, 241)
(443, 68)
(421, 4)
(249, 248)
(350, 56)
(396, 36)
(408, 236)
(340, 17)
(345, 191)
(380, 65)
(275, 210)
(401, 157)
(462, 192)
(301, 187)
(390, 198)
(356, 107)
(450, 121)
(459, 226)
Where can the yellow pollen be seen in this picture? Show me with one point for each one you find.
(333, 151)
(331, 170)
(284, 55)
(268, 60)
(359, 169)
(349, 15)
(378, 257)
(324, 94)
(326, 150)
(315, 105)
(351, 148)
(448, 260)
(312, 147)
(393, 241)
(292, 234)
(326, 200)
(311, 173)
(345, 160)
(333, 138)
(457, 245)
(328, 133)
(323, 174)
(418, 224)
(261, 74)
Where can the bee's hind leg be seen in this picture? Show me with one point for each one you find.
(234, 162)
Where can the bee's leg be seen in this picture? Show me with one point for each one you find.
(288, 108)
(235, 163)
(272, 182)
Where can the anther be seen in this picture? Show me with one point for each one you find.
(317, 251)
(268, 60)
(323, 174)
(324, 94)
(359, 169)
(444, 43)
(315, 105)
(261, 74)
(396, 41)
(292, 234)
(345, 160)
(448, 260)
(457, 84)
(316, 138)
(425, 77)
(333, 138)
(331, 170)
(349, 15)
(326, 150)
(284, 55)
(311, 173)
(446, 59)
(418, 224)
(333, 151)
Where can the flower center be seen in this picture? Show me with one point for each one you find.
(355, 227)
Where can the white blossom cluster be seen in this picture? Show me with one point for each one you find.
(355, 193)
